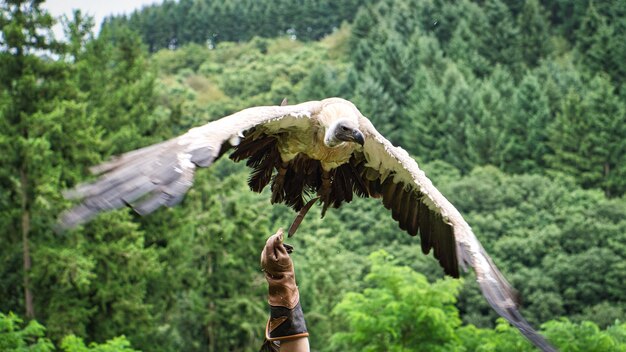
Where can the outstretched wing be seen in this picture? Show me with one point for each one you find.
(161, 174)
(390, 173)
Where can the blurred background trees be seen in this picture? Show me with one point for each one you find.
(516, 110)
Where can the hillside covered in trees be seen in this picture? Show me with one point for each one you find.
(515, 109)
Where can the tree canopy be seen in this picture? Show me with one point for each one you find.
(515, 110)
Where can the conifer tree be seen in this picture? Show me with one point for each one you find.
(498, 42)
(54, 115)
(599, 56)
(466, 39)
(587, 138)
(525, 128)
(212, 295)
(589, 27)
(426, 119)
(534, 36)
(38, 109)
(460, 111)
(484, 133)
(375, 102)
(319, 84)
(363, 23)
(463, 48)
(121, 96)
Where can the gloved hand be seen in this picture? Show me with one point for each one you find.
(286, 318)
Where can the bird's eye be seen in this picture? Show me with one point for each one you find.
(343, 128)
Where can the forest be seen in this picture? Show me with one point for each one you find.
(516, 110)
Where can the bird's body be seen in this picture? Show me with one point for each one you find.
(307, 138)
(325, 149)
(329, 157)
(310, 142)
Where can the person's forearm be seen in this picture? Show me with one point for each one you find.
(285, 326)
(295, 345)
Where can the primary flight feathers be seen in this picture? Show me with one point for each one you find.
(324, 149)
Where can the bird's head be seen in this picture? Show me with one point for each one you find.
(341, 121)
(343, 130)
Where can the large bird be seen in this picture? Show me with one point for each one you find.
(319, 150)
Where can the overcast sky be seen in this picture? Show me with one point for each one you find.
(96, 8)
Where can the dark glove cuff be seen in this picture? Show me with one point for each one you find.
(285, 323)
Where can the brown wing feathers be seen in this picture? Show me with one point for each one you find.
(290, 183)
(424, 224)
(413, 214)
(301, 180)
(411, 204)
(262, 154)
(302, 177)
(298, 178)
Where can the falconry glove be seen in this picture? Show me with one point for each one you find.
(286, 317)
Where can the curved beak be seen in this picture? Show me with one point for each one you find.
(350, 135)
(358, 137)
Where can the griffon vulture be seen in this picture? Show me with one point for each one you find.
(324, 150)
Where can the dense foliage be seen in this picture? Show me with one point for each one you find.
(172, 24)
(516, 110)
(382, 317)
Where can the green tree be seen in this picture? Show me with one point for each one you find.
(326, 269)
(594, 36)
(55, 114)
(587, 138)
(15, 337)
(364, 21)
(600, 39)
(534, 35)
(399, 310)
(172, 24)
(537, 230)
(427, 117)
(524, 139)
(375, 102)
(322, 82)
(586, 336)
(73, 343)
(378, 318)
(439, 117)
(460, 110)
(122, 94)
(211, 293)
(105, 277)
(483, 135)
(465, 43)
(40, 107)
(18, 338)
(498, 43)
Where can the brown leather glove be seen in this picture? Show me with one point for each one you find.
(286, 318)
